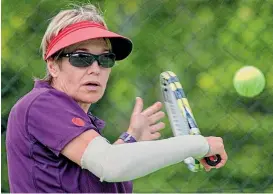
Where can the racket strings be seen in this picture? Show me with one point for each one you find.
(171, 84)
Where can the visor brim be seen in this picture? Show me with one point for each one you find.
(121, 46)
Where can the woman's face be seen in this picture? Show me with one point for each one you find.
(85, 84)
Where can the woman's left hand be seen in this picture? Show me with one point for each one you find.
(144, 124)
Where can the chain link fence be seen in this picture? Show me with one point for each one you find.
(204, 42)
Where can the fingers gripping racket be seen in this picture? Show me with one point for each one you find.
(180, 115)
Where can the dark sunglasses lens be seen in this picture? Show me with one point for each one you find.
(107, 60)
(81, 60)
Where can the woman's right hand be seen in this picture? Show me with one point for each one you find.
(216, 145)
(144, 125)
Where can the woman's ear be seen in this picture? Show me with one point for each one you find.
(53, 68)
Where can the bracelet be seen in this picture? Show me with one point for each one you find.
(127, 138)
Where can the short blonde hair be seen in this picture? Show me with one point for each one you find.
(64, 18)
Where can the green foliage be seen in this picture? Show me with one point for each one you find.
(204, 43)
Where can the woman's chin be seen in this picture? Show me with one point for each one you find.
(88, 99)
(92, 100)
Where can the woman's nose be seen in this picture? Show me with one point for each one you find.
(94, 68)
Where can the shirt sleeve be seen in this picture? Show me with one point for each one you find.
(54, 119)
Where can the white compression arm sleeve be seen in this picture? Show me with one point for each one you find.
(125, 162)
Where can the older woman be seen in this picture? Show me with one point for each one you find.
(55, 145)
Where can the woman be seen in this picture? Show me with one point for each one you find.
(55, 144)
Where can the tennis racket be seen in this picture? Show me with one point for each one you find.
(180, 116)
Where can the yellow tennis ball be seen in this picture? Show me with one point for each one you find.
(249, 81)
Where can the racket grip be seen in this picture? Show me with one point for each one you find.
(213, 160)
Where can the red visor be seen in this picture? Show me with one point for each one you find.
(81, 31)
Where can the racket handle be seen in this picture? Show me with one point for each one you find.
(213, 160)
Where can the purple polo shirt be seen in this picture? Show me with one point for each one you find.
(39, 126)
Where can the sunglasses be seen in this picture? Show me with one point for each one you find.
(83, 59)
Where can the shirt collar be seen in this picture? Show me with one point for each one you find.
(42, 84)
(100, 124)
